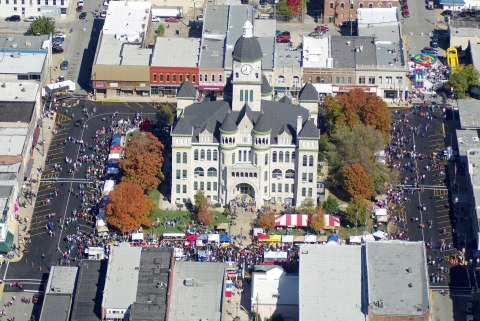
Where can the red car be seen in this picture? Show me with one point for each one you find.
(36, 298)
(321, 29)
(79, 8)
(173, 20)
(283, 38)
(405, 12)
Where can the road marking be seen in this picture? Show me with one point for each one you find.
(40, 233)
(440, 192)
(444, 222)
(443, 216)
(443, 211)
(139, 104)
(45, 210)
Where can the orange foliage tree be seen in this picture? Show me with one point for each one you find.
(205, 216)
(143, 161)
(356, 181)
(357, 106)
(128, 208)
(317, 221)
(266, 220)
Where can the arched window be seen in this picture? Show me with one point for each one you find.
(212, 172)
(379, 5)
(290, 173)
(209, 154)
(280, 157)
(199, 172)
(236, 75)
(179, 158)
(287, 157)
(281, 79)
(233, 158)
(310, 161)
(274, 157)
(305, 159)
(331, 5)
(370, 5)
(185, 157)
(202, 154)
(360, 5)
(342, 5)
(277, 173)
(389, 5)
(215, 155)
(195, 154)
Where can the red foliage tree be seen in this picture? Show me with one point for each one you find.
(357, 182)
(266, 220)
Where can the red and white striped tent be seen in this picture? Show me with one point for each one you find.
(331, 221)
(291, 220)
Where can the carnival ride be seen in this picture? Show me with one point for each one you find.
(424, 59)
(452, 57)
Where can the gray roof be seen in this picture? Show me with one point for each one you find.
(468, 110)
(267, 46)
(464, 28)
(185, 54)
(197, 291)
(266, 88)
(388, 42)
(331, 286)
(20, 42)
(286, 57)
(88, 293)
(237, 16)
(12, 111)
(59, 293)
(56, 308)
(61, 280)
(152, 285)
(247, 50)
(262, 125)
(187, 90)
(467, 139)
(228, 124)
(210, 115)
(285, 99)
(5, 191)
(308, 93)
(345, 56)
(397, 278)
(212, 49)
(309, 130)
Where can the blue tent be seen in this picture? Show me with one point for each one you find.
(116, 140)
(225, 238)
(332, 238)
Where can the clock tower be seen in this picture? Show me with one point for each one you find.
(247, 71)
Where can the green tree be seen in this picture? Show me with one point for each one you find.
(356, 212)
(461, 79)
(165, 116)
(42, 26)
(160, 30)
(308, 206)
(200, 200)
(283, 9)
(331, 205)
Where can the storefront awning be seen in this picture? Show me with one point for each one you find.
(6, 245)
(127, 89)
(142, 88)
(211, 88)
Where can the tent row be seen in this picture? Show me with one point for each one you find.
(302, 220)
(358, 239)
(292, 238)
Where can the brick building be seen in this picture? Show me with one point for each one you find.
(338, 11)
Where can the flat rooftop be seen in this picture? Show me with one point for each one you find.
(397, 278)
(464, 28)
(376, 15)
(388, 41)
(12, 140)
(316, 52)
(62, 280)
(237, 16)
(348, 52)
(128, 18)
(19, 91)
(197, 291)
(22, 62)
(287, 57)
(56, 308)
(23, 43)
(473, 160)
(468, 110)
(213, 36)
(323, 270)
(186, 53)
(118, 53)
(467, 139)
(122, 273)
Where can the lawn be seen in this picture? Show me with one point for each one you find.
(184, 218)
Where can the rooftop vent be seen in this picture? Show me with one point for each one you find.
(14, 45)
(379, 304)
(23, 89)
(409, 270)
(10, 38)
(189, 282)
(3, 85)
(410, 285)
(475, 139)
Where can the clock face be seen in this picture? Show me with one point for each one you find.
(247, 69)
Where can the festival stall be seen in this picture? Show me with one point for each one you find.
(108, 186)
(298, 239)
(287, 238)
(331, 222)
(291, 220)
(381, 235)
(272, 257)
(191, 237)
(178, 253)
(95, 253)
(381, 215)
(310, 239)
(222, 227)
(355, 239)
(214, 238)
(113, 158)
(225, 239)
(333, 239)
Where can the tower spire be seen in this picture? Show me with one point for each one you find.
(248, 29)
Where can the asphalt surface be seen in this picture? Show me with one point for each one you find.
(32, 270)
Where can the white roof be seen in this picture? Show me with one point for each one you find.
(18, 90)
(316, 52)
(12, 140)
(122, 274)
(127, 18)
(323, 271)
(22, 63)
(376, 15)
(380, 211)
(62, 280)
(274, 281)
(186, 53)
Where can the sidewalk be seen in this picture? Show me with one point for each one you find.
(16, 226)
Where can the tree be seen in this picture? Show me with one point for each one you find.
(308, 206)
(356, 181)
(165, 116)
(205, 216)
(266, 220)
(461, 79)
(317, 221)
(42, 26)
(143, 161)
(200, 200)
(356, 211)
(160, 30)
(295, 6)
(128, 208)
(283, 9)
(331, 205)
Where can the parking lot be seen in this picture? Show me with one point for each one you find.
(12, 306)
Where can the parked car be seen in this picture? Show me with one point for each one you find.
(405, 12)
(14, 18)
(64, 65)
(36, 298)
(172, 20)
(79, 8)
(57, 50)
(434, 44)
(30, 19)
(429, 50)
(200, 17)
(103, 14)
(321, 29)
(59, 35)
(446, 13)
(283, 38)
(156, 19)
(82, 16)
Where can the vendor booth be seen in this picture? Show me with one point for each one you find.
(225, 239)
(214, 238)
(310, 239)
(95, 253)
(222, 227)
(331, 222)
(287, 238)
(108, 187)
(272, 257)
(381, 215)
(291, 220)
(298, 239)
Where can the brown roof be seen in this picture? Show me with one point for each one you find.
(121, 73)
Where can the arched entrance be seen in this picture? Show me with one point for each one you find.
(244, 189)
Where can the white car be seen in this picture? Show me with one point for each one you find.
(80, 3)
(30, 19)
(103, 14)
(156, 19)
(59, 35)
(105, 3)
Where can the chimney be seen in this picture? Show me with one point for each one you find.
(299, 124)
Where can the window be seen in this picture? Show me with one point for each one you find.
(209, 154)
(280, 157)
(265, 189)
(246, 95)
(351, 5)
(199, 172)
(209, 186)
(286, 188)
(178, 188)
(215, 186)
(195, 185)
(220, 78)
(167, 77)
(339, 80)
(279, 187)
(177, 174)
(54, 2)
(290, 173)
(370, 5)
(320, 79)
(287, 157)
(274, 157)
(380, 79)
(212, 172)
(14, 8)
(389, 5)
(185, 157)
(256, 75)
(184, 173)
(349, 80)
(154, 77)
(277, 173)
(281, 79)
(389, 80)
(241, 94)
(293, 156)
(266, 159)
(194, 78)
(310, 177)
(195, 154)
(400, 80)
(187, 77)
(256, 159)
(233, 158)
(184, 189)
(200, 77)
(305, 160)
(371, 80)
(215, 155)
(304, 191)
(310, 161)
(205, 77)
(180, 78)
(361, 80)
(236, 75)
(304, 177)
(62, 2)
(331, 5)
(223, 158)
(273, 187)
(202, 154)
(179, 158)
(160, 78)
(342, 5)
(213, 78)
(251, 94)
(174, 77)
(202, 186)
